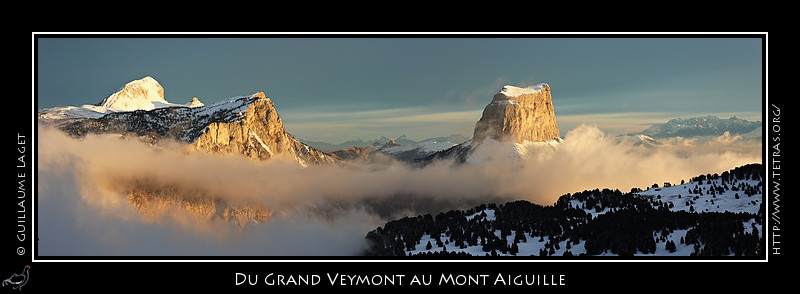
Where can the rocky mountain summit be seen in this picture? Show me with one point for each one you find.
(141, 94)
(256, 131)
(247, 125)
(518, 115)
(195, 103)
(352, 153)
(515, 115)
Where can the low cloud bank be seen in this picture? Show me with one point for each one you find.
(324, 210)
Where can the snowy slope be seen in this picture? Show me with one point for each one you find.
(710, 196)
(182, 123)
(699, 196)
(533, 245)
(513, 91)
(140, 107)
(530, 247)
(414, 151)
(425, 147)
(738, 191)
(72, 112)
(142, 94)
(491, 149)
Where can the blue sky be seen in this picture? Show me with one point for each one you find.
(334, 89)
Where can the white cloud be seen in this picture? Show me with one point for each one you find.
(321, 210)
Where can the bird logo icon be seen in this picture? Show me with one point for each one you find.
(18, 280)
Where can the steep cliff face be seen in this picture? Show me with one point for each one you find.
(258, 133)
(249, 126)
(246, 125)
(155, 201)
(518, 115)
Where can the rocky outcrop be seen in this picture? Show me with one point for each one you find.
(353, 153)
(258, 133)
(518, 115)
(155, 201)
(195, 103)
(515, 115)
(246, 125)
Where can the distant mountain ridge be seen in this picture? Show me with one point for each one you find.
(700, 126)
(415, 151)
(401, 140)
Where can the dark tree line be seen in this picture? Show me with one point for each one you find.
(632, 225)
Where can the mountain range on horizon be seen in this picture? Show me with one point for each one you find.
(516, 118)
(364, 143)
(251, 126)
(702, 126)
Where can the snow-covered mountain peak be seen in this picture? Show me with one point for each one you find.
(513, 91)
(142, 94)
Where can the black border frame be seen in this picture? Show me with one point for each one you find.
(205, 268)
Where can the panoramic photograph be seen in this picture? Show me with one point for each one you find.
(370, 147)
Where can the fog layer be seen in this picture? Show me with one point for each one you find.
(83, 187)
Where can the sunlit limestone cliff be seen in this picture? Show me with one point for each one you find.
(244, 125)
(155, 202)
(518, 117)
(247, 126)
